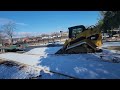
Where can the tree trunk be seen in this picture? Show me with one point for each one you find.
(11, 40)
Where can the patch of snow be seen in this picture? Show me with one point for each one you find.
(106, 44)
(37, 51)
(22, 58)
(14, 72)
(80, 69)
(43, 50)
(27, 72)
(111, 52)
(115, 51)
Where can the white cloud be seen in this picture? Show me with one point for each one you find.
(6, 20)
(23, 24)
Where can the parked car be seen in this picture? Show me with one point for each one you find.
(57, 42)
(51, 44)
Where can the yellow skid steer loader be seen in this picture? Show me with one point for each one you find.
(82, 40)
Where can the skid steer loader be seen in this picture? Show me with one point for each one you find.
(82, 40)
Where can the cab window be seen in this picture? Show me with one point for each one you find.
(76, 32)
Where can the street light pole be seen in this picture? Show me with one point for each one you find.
(119, 30)
(61, 35)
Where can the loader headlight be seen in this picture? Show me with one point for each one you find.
(92, 38)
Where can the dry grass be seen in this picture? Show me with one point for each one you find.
(1, 61)
(12, 63)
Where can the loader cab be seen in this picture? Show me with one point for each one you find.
(75, 30)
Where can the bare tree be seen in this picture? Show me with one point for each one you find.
(9, 29)
(2, 36)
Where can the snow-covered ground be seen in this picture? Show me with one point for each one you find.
(14, 72)
(106, 44)
(10, 70)
(43, 50)
(83, 66)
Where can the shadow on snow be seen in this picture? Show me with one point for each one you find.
(86, 66)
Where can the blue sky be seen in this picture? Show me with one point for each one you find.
(48, 21)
